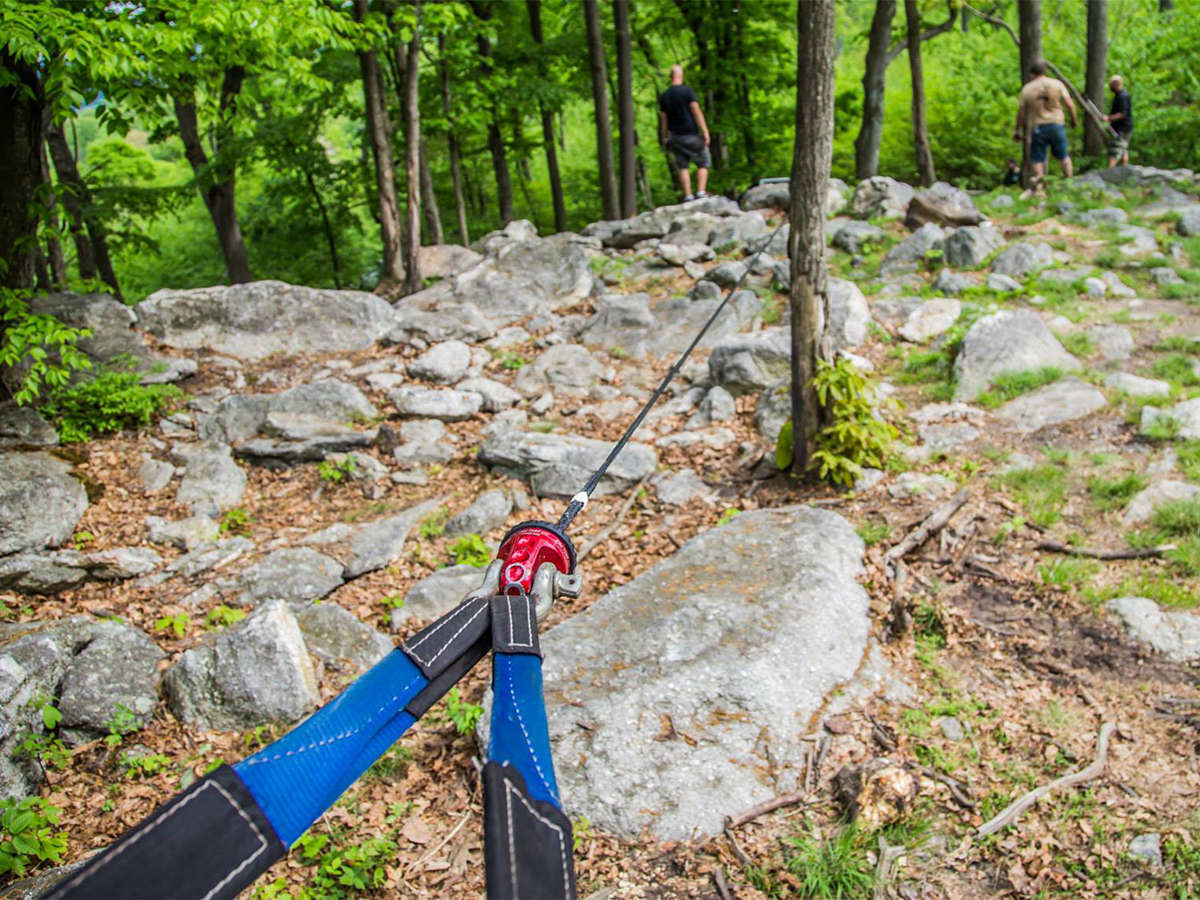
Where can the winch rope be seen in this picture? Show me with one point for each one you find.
(580, 500)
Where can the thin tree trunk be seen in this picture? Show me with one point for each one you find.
(330, 236)
(1165, 6)
(925, 170)
(412, 115)
(460, 206)
(870, 132)
(812, 156)
(534, 8)
(54, 250)
(1029, 24)
(70, 191)
(21, 117)
(380, 131)
(1097, 59)
(429, 204)
(504, 192)
(644, 183)
(628, 148)
(217, 183)
(604, 157)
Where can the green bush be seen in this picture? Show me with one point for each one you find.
(835, 867)
(471, 550)
(856, 436)
(27, 835)
(106, 404)
(42, 343)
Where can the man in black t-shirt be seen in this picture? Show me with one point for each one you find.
(682, 128)
(1120, 119)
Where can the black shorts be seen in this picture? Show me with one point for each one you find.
(688, 149)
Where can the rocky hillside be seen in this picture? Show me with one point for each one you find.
(754, 659)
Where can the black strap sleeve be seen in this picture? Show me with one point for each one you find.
(527, 842)
(212, 840)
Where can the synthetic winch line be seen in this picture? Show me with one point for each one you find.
(580, 500)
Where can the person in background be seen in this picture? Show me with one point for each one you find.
(1120, 120)
(1012, 172)
(682, 129)
(1042, 107)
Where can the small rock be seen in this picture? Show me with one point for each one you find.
(186, 534)
(934, 317)
(1136, 386)
(920, 484)
(443, 363)
(294, 574)
(1052, 404)
(488, 511)
(1113, 342)
(677, 488)
(117, 670)
(1021, 260)
(435, 403)
(437, 594)
(39, 501)
(1143, 505)
(155, 475)
(1002, 283)
(943, 204)
(336, 637)
(968, 247)
(905, 256)
(1185, 415)
(952, 729)
(717, 406)
(1147, 847)
(212, 482)
(1174, 633)
(1007, 341)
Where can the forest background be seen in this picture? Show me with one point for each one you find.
(279, 112)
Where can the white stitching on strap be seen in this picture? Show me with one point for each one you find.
(411, 648)
(158, 820)
(512, 641)
(528, 741)
(510, 790)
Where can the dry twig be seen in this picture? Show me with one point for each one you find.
(761, 809)
(604, 533)
(737, 848)
(956, 787)
(1009, 814)
(1129, 553)
(934, 523)
(722, 886)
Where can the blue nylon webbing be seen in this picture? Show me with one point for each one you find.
(299, 776)
(519, 734)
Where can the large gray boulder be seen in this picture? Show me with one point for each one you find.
(437, 594)
(293, 574)
(621, 321)
(242, 416)
(1052, 404)
(261, 318)
(942, 204)
(854, 235)
(1023, 259)
(1174, 633)
(968, 247)
(667, 695)
(212, 482)
(1004, 342)
(525, 278)
(378, 544)
(745, 364)
(21, 428)
(337, 638)
(256, 672)
(443, 363)
(881, 196)
(766, 196)
(296, 437)
(116, 671)
(39, 501)
(931, 318)
(1189, 222)
(558, 465)
(565, 368)
(445, 260)
(445, 404)
(907, 254)
(737, 232)
(486, 512)
(1184, 417)
(849, 314)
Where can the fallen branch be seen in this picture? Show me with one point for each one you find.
(604, 533)
(935, 522)
(888, 855)
(765, 807)
(955, 786)
(737, 848)
(1129, 553)
(1010, 813)
(722, 886)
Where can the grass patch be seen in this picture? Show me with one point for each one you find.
(1114, 493)
(1178, 368)
(874, 532)
(1008, 386)
(1079, 344)
(1041, 491)
(1068, 572)
(1189, 459)
(1176, 344)
(830, 867)
(1176, 522)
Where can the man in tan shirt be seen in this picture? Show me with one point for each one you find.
(1041, 109)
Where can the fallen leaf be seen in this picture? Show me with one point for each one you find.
(416, 830)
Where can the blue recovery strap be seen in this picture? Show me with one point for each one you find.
(299, 776)
(520, 736)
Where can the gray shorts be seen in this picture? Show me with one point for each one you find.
(689, 149)
(1118, 143)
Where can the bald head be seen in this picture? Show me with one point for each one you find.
(1116, 82)
(677, 74)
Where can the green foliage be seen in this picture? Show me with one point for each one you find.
(462, 715)
(874, 532)
(144, 765)
(177, 624)
(43, 346)
(831, 867)
(1176, 522)
(785, 446)
(28, 836)
(1189, 459)
(343, 869)
(1079, 343)
(581, 830)
(234, 521)
(728, 515)
(1114, 493)
(106, 404)
(471, 550)
(222, 616)
(1179, 368)
(123, 722)
(1068, 572)
(1012, 384)
(856, 436)
(1041, 491)
(336, 471)
(512, 361)
(392, 765)
(46, 749)
(435, 523)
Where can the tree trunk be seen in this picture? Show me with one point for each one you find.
(429, 204)
(866, 145)
(1165, 6)
(380, 131)
(1029, 15)
(1097, 60)
(412, 116)
(925, 171)
(460, 206)
(604, 156)
(534, 8)
(504, 191)
(327, 225)
(812, 156)
(21, 116)
(54, 250)
(217, 183)
(628, 147)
